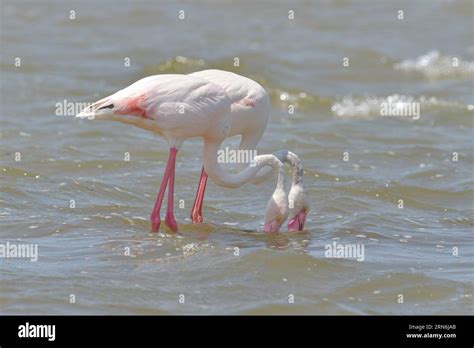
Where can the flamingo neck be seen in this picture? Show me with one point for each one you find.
(294, 161)
(221, 177)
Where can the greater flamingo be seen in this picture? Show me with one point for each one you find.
(250, 111)
(178, 107)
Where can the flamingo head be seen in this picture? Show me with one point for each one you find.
(298, 206)
(276, 212)
(129, 110)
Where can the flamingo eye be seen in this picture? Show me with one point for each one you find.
(110, 106)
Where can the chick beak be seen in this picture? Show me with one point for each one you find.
(297, 223)
(273, 226)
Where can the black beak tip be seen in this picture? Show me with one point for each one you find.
(110, 106)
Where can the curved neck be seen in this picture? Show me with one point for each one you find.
(294, 161)
(217, 173)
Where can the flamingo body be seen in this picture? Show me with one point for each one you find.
(250, 104)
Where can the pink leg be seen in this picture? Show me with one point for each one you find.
(170, 221)
(155, 214)
(196, 213)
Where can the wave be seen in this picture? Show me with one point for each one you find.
(432, 64)
(368, 107)
(436, 66)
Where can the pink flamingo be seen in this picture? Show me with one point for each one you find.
(250, 111)
(178, 107)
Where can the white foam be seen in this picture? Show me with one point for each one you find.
(369, 107)
(434, 65)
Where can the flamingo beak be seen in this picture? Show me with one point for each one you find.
(94, 110)
(297, 223)
(273, 226)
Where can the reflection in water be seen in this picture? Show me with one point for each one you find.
(296, 242)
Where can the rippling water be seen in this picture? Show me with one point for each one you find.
(408, 251)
